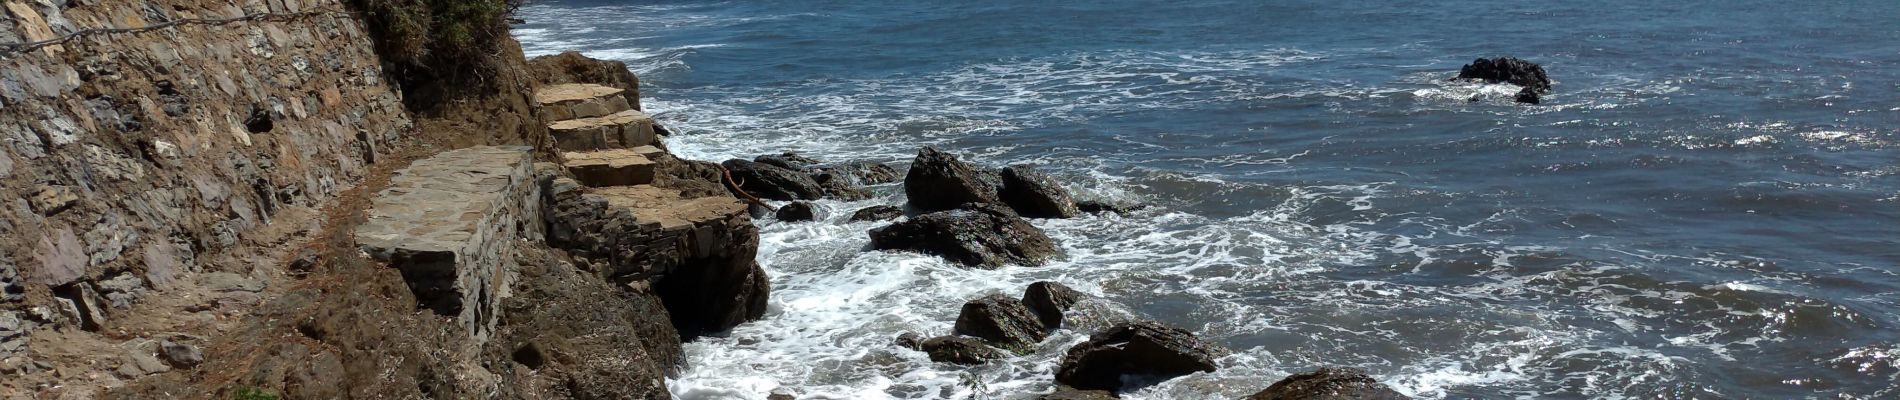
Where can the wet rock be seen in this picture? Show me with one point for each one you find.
(1048, 300)
(877, 213)
(960, 350)
(772, 182)
(860, 172)
(181, 355)
(980, 235)
(1528, 96)
(1145, 350)
(910, 340)
(1034, 194)
(1507, 70)
(937, 181)
(787, 160)
(1002, 321)
(1329, 384)
(1103, 206)
(835, 187)
(1069, 393)
(781, 394)
(797, 211)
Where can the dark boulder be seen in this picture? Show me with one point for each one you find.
(1329, 384)
(787, 160)
(877, 213)
(960, 350)
(1001, 321)
(1048, 300)
(1034, 194)
(1528, 96)
(1103, 206)
(861, 172)
(1507, 70)
(937, 181)
(1069, 393)
(910, 340)
(838, 187)
(1145, 350)
(979, 235)
(797, 211)
(772, 182)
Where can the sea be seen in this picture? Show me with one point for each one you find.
(1706, 206)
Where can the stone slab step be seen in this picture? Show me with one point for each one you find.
(620, 130)
(449, 221)
(577, 100)
(607, 168)
(665, 208)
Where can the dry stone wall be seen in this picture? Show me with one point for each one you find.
(126, 158)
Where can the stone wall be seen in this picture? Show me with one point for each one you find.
(128, 158)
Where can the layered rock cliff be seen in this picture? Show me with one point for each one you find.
(214, 197)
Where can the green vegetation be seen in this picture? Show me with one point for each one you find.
(250, 393)
(437, 39)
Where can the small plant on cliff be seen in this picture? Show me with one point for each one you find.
(251, 393)
(437, 39)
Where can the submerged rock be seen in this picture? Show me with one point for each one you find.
(797, 211)
(877, 213)
(861, 172)
(1001, 321)
(978, 235)
(1528, 96)
(769, 181)
(787, 160)
(1329, 384)
(960, 350)
(1144, 349)
(937, 181)
(1507, 70)
(1034, 194)
(1048, 300)
(1102, 206)
(1069, 393)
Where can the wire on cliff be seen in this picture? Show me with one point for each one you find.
(8, 50)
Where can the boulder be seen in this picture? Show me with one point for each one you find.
(1069, 393)
(1507, 70)
(1329, 384)
(960, 350)
(877, 213)
(1103, 206)
(1528, 96)
(1002, 322)
(910, 340)
(938, 181)
(979, 235)
(861, 172)
(797, 211)
(772, 182)
(834, 186)
(1144, 350)
(1034, 194)
(787, 160)
(1048, 300)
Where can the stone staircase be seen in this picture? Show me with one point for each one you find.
(605, 141)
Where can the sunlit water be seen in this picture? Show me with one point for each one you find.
(1704, 208)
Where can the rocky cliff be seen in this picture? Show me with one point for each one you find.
(214, 197)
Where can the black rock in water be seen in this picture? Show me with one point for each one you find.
(1034, 194)
(1507, 70)
(937, 181)
(1145, 349)
(984, 235)
(772, 182)
(1528, 96)
(877, 213)
(1049, 300)
(1001, 321)
(960, 350)
(797, 211)
(1329, 384)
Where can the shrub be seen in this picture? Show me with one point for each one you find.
(250, 393)
(436, 39)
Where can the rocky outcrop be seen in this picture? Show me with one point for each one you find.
(1528, 96)
(449, 223)
(1510, 70)
(960, 350)
(938, 181)
(575, 101)
(572, 67)
(978, 235)
(1034, 194)
(1329, 384)
(797, 211)
(1142, 349)
(1002, 322)
(773, 182)
(877, 213)
(696, 253)
(1048, 300)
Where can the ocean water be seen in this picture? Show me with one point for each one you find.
(1707, 206)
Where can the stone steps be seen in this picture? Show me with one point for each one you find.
(571, 101)
(608, 168)
(449, 223)
(620, 130)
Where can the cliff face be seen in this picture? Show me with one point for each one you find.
(249, 186)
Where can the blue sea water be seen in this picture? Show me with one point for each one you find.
(1707, 206)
